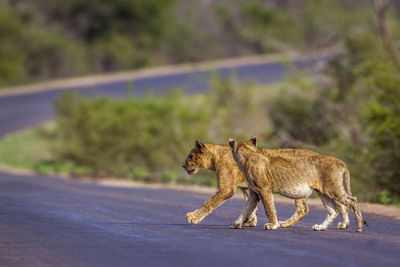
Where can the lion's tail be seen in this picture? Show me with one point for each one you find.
(346, 178)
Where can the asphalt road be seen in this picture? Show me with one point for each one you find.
(47, 221)
(56, 222)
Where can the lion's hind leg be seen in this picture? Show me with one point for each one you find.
(252, 220)
(344, 224)
(301, 211)
(330, 206)
(352, 203)
(339, 195)
(247, 211)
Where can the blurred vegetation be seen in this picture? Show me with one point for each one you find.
(131, 133)
(42, 40)
(48, 39)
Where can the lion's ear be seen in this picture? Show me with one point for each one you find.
(232, 144)
(199, 145)
(253, 140)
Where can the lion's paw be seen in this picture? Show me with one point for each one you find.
(271, 226)
(342, 225)
(251, 222)
(237, 225)
(194, 217)
(318, 227)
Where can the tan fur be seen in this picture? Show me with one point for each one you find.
(294, 177)
(219, 158)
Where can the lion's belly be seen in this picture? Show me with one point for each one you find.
(298, 191)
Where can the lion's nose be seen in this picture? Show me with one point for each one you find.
(183, 166)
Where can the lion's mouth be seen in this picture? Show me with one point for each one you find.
(191, 171)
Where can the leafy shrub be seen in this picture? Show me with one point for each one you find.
(303, 115)
(115, 137)
(384, 197)
(234, 108)
(383, 126)
(170, 177)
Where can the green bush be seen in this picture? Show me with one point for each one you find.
(374, 96)
(384, 197)
(115, 137)
(303, 114)
(170, 177)
(383, 126)
(139, 173)
(233, 106)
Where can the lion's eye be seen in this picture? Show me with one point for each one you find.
(190, 156)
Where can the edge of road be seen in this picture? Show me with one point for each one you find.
(91, 80)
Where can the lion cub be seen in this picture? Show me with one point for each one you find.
(293, 177)
(219, 158)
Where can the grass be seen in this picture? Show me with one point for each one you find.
(33, 149)
(24, 149)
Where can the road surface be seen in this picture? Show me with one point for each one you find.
(47, 221)
(58, 222)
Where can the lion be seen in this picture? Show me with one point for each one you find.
(296, 178)
(219, 158)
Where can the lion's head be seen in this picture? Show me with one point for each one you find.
(198, 158)
(239, 150)
(249, 145)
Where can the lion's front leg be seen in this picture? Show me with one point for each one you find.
(195, 216)
(220, 197)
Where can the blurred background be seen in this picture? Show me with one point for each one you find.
(349, 108)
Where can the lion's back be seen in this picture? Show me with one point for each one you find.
(314, 170)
